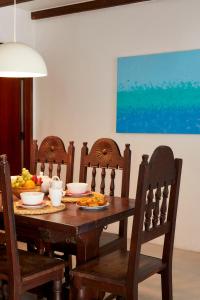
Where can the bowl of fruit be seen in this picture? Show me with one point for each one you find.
(25, 183)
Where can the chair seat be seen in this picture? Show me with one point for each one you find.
(32, 266)
(112, 269)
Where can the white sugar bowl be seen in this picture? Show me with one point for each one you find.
(77, 187)
(32, 198)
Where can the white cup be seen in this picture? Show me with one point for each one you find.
(55, 195)
(56, 183)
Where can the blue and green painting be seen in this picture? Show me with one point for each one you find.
(159, 93)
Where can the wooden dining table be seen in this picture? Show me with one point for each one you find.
(75, 225)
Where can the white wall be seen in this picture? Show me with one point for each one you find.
(77, 101)
(24, 26)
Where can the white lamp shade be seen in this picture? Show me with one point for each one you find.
(18, 60)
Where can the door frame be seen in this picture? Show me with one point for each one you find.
(27, 135)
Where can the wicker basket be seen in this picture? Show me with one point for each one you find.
(17, 191)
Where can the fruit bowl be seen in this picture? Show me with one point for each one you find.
(17, 191)
(25, 182)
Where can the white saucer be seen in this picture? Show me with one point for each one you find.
(41, 205)
(86, 194)
(93, 207)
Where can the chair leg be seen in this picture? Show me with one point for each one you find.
(123, 233)
(131, 294)
(57, 289)
(1, 289)
(5, 290)
(166, 283)
(68, 267)
(73, 292)
(11, 293)
(101, 295)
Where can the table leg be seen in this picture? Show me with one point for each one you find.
(87, 248)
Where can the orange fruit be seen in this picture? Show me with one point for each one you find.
(29, 184)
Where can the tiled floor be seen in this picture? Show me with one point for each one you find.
(186, 277)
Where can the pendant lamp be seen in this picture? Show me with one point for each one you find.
(18, 60)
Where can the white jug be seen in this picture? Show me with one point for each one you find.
(46, 180)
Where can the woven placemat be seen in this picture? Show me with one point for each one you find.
(48, 209)
(68, 199)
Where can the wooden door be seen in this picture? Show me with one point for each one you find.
(16, 121)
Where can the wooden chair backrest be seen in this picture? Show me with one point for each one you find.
(52, 152)
(156, 205)
(105, 154)
(9, 225)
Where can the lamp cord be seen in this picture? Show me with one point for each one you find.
(14, 21)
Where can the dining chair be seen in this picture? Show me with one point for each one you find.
(120, 272)
(105, 156)
(51, 157)
(21, 269)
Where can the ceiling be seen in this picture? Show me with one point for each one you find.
(52, 8)
(44, 4)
